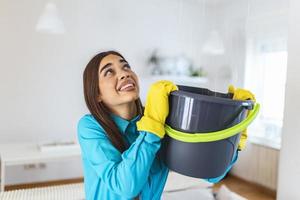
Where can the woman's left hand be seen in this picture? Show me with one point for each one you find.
(156, 108)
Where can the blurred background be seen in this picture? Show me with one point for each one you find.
(45, 46)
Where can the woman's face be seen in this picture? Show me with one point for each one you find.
(118, 84)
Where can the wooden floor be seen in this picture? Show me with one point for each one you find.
(246, 189)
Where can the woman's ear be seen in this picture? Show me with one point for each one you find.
(99, 99)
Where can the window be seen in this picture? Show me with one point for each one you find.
(266, 76)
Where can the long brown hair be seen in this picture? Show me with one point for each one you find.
(98, 109)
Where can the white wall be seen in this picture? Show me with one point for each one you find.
(289, 170)
(41, 74)
(229, 20)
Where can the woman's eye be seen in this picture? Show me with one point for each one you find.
(126, 66)
(108, 72)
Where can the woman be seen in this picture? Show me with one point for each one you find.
(119, 141)
(120, 162)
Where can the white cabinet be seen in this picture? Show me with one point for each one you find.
(29, 153)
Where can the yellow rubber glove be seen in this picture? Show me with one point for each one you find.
(156, 108)
(241, 94)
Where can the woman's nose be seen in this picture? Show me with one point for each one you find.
(124, 76)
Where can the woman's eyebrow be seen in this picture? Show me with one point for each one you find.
(110, 64)
(122, 61)
(105, 66)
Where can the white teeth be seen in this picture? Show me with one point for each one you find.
(126, 86)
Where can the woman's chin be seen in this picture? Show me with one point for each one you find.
(131, 97)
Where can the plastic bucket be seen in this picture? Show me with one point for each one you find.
(203, 131)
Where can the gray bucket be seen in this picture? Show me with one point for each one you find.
(199, 110)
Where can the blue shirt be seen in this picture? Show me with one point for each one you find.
(110, 175)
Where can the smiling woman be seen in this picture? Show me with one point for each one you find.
(100, 91)
(119, 157)
(118, 86)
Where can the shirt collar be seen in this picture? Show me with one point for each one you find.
(123, 123)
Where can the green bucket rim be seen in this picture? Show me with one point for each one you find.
(217, 135)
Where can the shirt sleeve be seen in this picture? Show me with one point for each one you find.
(126, 173)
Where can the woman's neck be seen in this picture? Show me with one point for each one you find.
(126, 111)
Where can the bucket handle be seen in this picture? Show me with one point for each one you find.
(217, 135)
(248, 104)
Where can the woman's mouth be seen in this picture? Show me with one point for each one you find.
(127, 87)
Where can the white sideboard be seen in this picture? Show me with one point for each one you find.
(30, 153)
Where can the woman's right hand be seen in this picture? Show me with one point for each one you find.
(156, 108)
(241, 94)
